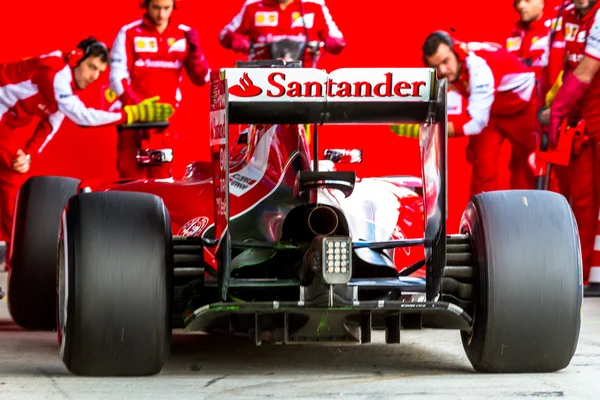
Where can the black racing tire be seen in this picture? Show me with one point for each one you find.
(115, 271)
(529, 292)
(32, 282)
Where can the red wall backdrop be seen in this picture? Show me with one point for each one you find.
(386, 33)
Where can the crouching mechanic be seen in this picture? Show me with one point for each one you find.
(501, 105)
(148, 58)
(47, 87)
(580, 91)
(264, 21)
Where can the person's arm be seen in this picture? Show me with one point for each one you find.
(43, 134)
(576, 83)
(482, 94)
(234, 35)
(57, 85)
(329, 32)
(556, 57)
(195, 63)
(120, 67)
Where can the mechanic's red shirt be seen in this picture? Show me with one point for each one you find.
(43, 87)
(263, 21)
(495, 82)
(529, 42)
(152, 63)
(580, 37)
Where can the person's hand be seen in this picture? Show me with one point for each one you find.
(193, 40)
(554, 126)
(149, 110)
(240, 44)
(406, 130)
(334, 45)
(22, 162)
(544, 115)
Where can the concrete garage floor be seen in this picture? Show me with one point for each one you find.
(427, 365)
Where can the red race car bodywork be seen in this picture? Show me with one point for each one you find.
(263, 167)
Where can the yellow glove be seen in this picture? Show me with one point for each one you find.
(406, 130)
(149, 111)
(554, 89)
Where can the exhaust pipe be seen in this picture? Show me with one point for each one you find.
(322, 221)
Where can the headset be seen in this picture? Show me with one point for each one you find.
(83, 49)
(457, 47)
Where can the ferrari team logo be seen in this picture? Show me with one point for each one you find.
(266, 18)
(171, 41)
(110, 95)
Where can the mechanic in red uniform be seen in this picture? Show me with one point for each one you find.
(530, 40)
(501, 105)
(148, 58)
(529, 36)
(581, 90)
(264, 21)
(47, 87)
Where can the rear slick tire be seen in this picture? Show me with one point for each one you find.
(529, 292)
(115, 284)
(32, 278)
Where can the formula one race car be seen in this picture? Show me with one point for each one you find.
(263, 243)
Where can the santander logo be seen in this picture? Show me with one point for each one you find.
(349, 84)
(246, 88)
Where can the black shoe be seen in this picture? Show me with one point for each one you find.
(592, 290)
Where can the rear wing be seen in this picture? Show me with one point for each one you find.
(343, 96)
(312, 96)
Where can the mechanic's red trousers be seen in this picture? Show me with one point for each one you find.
(584, 196)
(10, 183)
(130, 141)
(483, 151)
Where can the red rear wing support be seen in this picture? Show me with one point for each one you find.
(343, 96)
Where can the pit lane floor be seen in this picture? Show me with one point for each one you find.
(427, 365)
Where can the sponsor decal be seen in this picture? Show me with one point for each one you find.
(158, 64)
(575, 57)
(347, 84)
(571, 31)
(513, 43)
(193, 227)
(145, 44)
(266, 18)
(246, 88)
(554, 24)
(242, 181)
